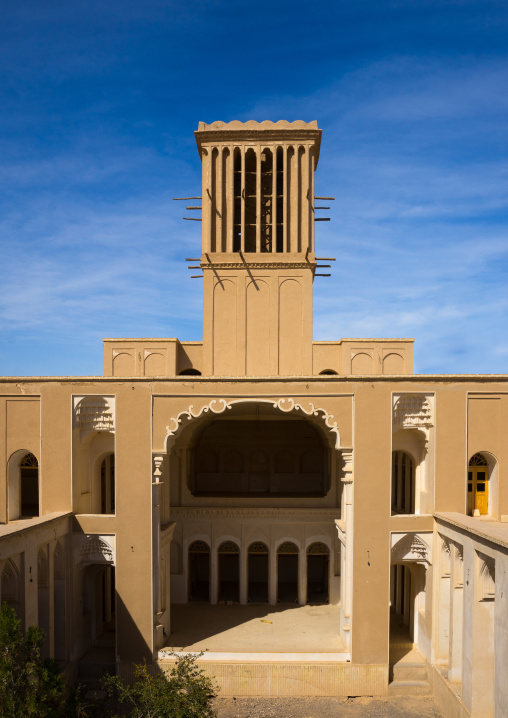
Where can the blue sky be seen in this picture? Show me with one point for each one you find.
(99, 104)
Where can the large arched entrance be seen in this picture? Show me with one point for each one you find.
(96, 640)
(247, 483)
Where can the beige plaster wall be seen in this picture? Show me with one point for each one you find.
(371, 543)
(134, 513)
(364, 423)
(20, 429)
(486, 432)
(451, 449)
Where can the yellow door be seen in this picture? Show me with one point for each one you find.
(481, 497)
(478, 489)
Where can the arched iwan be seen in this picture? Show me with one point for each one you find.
(286, 405)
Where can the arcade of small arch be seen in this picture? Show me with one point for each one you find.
(281, 576)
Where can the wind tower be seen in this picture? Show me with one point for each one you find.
(258, 258)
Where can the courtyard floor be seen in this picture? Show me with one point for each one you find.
(392, 707)
(256, 628)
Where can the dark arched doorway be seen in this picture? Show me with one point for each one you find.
(257, 571)
(228, 555)
(199, 572)
(287, 573)
(318, 561)
(29, 486)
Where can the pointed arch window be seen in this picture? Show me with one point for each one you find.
(29, 486)
(403, 483)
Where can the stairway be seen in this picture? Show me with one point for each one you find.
(408, 673)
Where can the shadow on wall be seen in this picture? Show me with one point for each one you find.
(131, 645)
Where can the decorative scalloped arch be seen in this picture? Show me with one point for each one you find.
(219, 406)
(95, 549)
(410, 548)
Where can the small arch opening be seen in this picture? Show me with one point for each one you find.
(318, 562)
(266, 200)
(199, 572)
(237, 200)
(257, 568)
(328, 372)
(287, 572)
(189, 372)
(279, 174)
(108, 485)
(228, 555)
(29, 486)
(250, 200)
(403, 483)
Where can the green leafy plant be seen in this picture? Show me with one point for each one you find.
(29, 684)
(184, 692)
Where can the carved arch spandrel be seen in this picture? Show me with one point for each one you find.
(410, 548)
(285, 405)
(95, 549)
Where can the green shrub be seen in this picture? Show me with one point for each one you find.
(185, 692)
(29, 684)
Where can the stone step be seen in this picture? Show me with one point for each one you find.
(409, 688)
(409, 671)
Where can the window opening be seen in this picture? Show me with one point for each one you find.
(237, 200)
(108, 485)
(267, 171)
(250, 200)
(29, 486)
(279, 174)
(403, 483)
